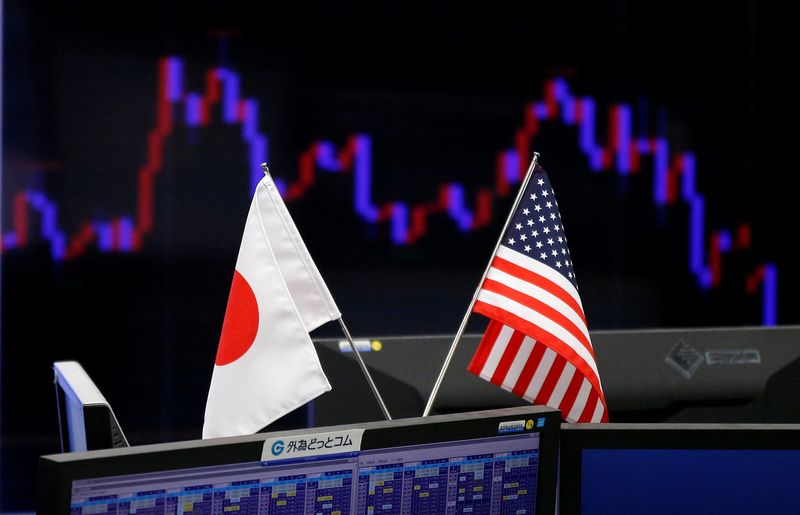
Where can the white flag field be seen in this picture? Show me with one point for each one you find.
(266, 364)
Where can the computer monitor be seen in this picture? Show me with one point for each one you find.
(86, 420)
(679, 468)
(498, 461)
(707, 375)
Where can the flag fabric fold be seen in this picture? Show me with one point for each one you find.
(266, 364)
(537, 343)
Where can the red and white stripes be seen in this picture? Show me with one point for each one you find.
(537, 344)
(521, 365)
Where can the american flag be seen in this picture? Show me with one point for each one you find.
(537, 345)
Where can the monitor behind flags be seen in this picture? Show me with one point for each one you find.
(86, 420)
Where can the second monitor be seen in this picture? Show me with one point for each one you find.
(679, 468)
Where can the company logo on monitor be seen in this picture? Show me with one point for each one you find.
(277, 448)
(313, 445)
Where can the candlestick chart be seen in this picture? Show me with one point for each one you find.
(604, 137)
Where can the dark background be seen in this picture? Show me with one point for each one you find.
(440, 89)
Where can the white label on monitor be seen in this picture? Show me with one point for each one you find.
(312, 445)
(361, 346)
(512, 426)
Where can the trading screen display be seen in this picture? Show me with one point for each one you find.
(398, 135)
(482, 476)
(688, 481)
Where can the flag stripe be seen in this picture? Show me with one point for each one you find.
(485, 347)
(534, 362)
(547, 293)
(521, 358)
(572, 392)
(534, 324)
(543, 309)
(580, 402)
(540, 269)
(508, 357)
(532, 392)
(553, 375)
(561, 385)
(544, 283)
(587, 369)
(591, 404)
(599, 413)
(497, 352)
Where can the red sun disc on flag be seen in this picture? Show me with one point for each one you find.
(241, 322)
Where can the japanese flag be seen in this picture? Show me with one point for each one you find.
(266, 365)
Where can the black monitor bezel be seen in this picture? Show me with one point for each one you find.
(575, 438)
(58, 471)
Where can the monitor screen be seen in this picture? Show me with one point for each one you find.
(679, 468)
(500, 461)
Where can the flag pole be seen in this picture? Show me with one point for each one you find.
(265, 169)
(364, 369)
(464, 321)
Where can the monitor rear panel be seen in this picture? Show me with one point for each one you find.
(736, 375)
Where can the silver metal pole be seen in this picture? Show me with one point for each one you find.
(464, 321)
(364, 369)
